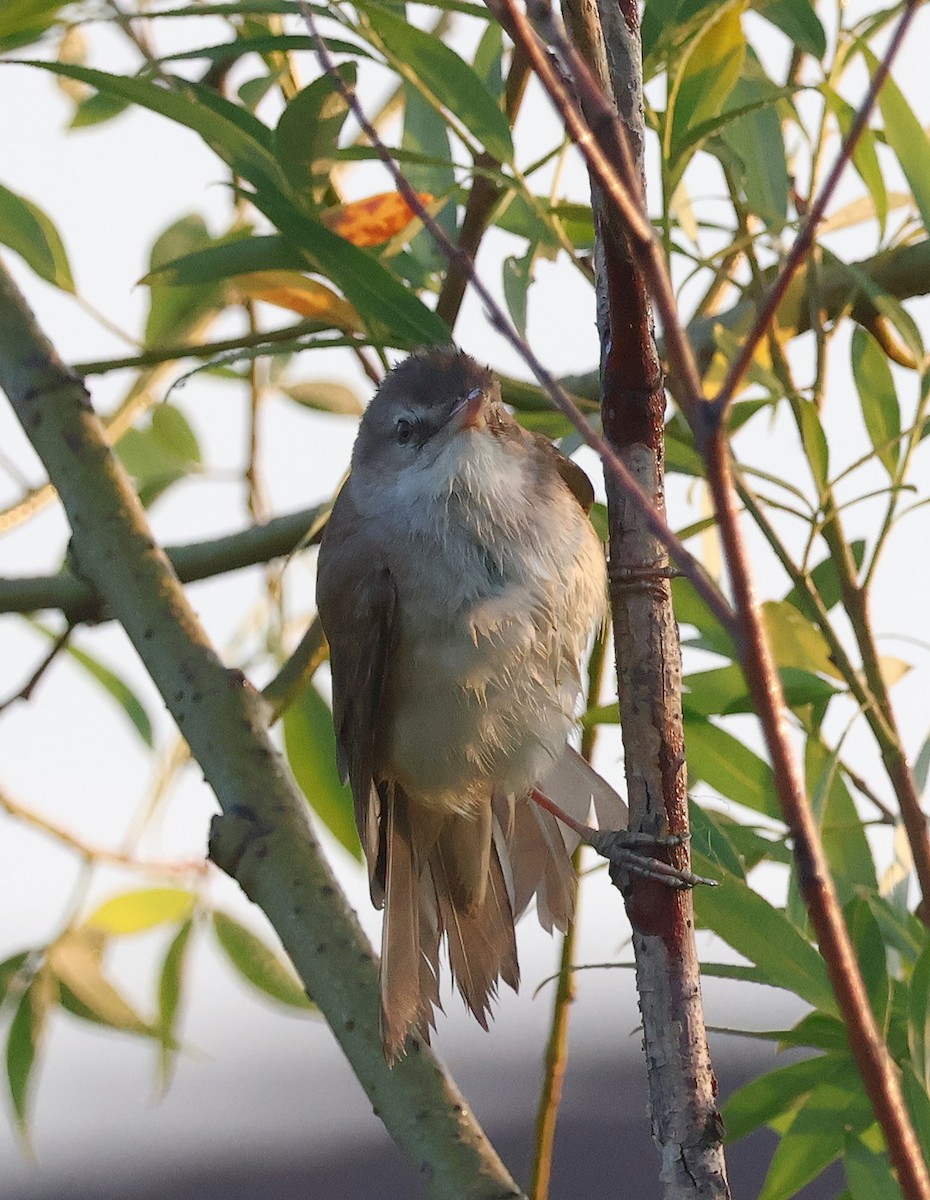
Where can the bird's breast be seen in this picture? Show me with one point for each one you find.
(484, 679)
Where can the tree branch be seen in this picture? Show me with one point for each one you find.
(682, 1089)
(263, 839)
(76, 599)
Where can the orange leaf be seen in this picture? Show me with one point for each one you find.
(297, 293)
(372, 221)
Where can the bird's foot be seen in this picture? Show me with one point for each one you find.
(623, 850)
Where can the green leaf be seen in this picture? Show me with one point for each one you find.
(918, 1019)
(263, 44)
(817, 1134)
(753, 845)
(690, 609)
(174, 312)
(906, 137)
(757, 140)
(24, 21)
(708, 835)
(728, 766)
(820, 1031)
(25, 228)
(706, 74)
(517, 277)
(870, 950)
(489, 59)
(96, 109)
(764, 936)
(815, 442)
(311, 751)
(795, 641)
(134, 912)
(882, 301)
(24, 1041)
(10, 971)
(775, 1093)
(307, 134)
(441, 75)
(900, 930)
(161, 454)
(325, 396)
(230, 131)
(878, 399)
(918, 1103)
(224, 260)
(826, 580)
(798, 21)
(121, 692)
(169, 999)
(667, 21)
(366, 284)
(723, 690)
(868, 1172)
(258, 964)
(865, 153)
(844, 837)
(426, 135)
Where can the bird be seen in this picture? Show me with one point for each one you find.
(459, 583)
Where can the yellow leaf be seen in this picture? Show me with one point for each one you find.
(297, 293)
(133, 912)
(372, 221)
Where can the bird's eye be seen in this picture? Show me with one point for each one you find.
(404, 430)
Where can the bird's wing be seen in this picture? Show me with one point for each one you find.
(574, 478)
(357, 603)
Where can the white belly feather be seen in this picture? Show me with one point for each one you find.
(494, 619)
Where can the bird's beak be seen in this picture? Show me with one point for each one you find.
(469, 413)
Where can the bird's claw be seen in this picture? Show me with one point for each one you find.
(622, 850)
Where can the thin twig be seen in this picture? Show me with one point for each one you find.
(299, 669)
(99, 854)
(181, 350)
(25, 692)
(76, 599)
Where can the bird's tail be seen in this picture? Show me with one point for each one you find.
(467, 878)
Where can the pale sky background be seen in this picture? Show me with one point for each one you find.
(70, 754)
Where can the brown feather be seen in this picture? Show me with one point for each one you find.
(400, 939)
(481, 941)
(360, 651)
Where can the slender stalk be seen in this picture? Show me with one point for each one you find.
(178, 351)
(556, 1062)
(556, 1057)
(96, 854)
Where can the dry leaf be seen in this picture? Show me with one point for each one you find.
(374, 220)
(293, 291)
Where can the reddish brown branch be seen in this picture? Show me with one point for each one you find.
(868, 1049)
(604, 145)
(482, 197)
